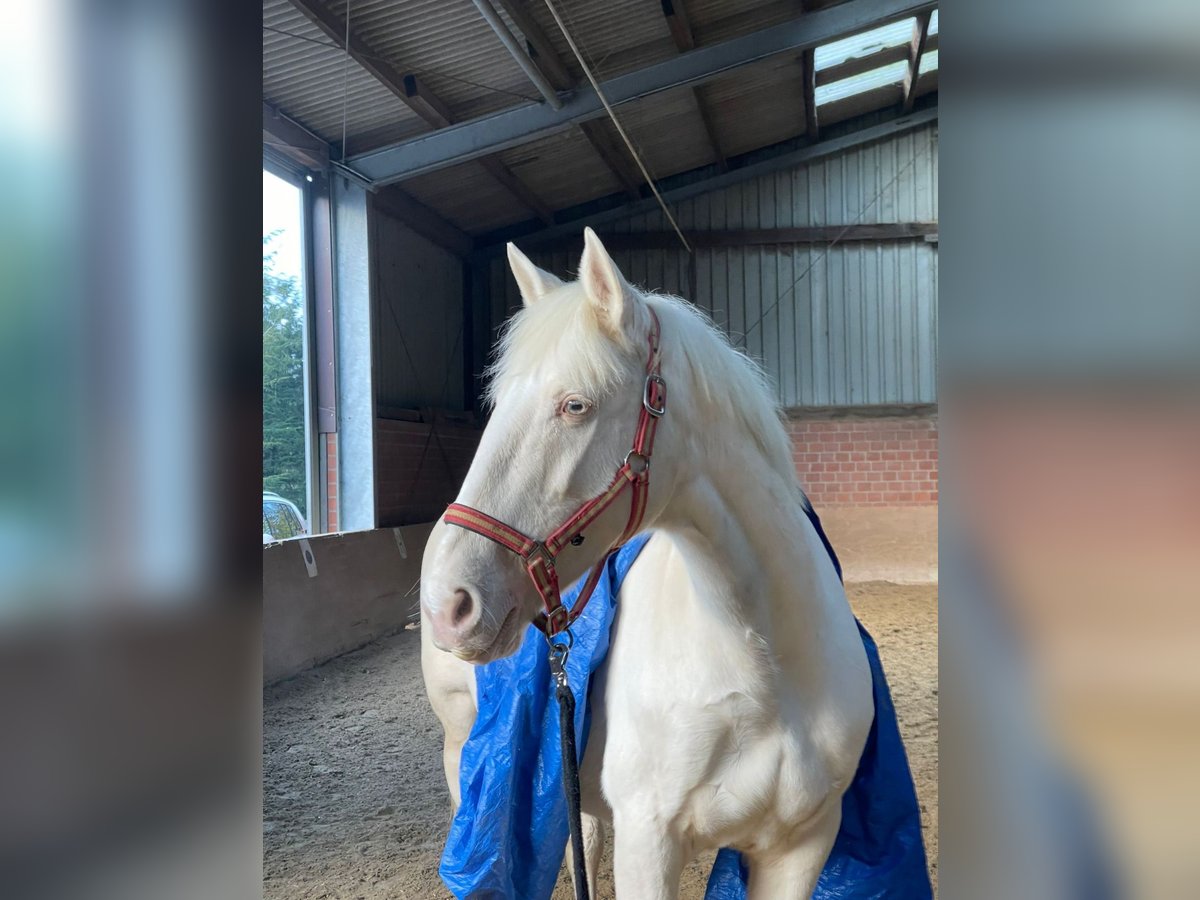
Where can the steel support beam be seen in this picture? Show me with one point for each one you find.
(541, 50)
(521, 124)
(754, 237)
(518, 53)
(492, 244)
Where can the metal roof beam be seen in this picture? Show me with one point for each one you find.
(521, 124)
(544, 56)
(518, 53)
(687, 185)
(542, 51)
(916, 50)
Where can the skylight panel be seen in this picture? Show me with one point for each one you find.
(933, 23)
(929, 61)
(867, 81)
(863, 44)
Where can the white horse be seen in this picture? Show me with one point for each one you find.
(735, 700)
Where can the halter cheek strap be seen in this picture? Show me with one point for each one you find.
(634, 475)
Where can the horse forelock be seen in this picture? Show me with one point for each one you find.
(727, 388)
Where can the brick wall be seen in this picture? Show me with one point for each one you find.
(866, 460)
(331, 484)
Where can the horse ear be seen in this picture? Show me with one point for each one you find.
(605, 287)
(532, 282)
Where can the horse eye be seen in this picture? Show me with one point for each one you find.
(575, 406)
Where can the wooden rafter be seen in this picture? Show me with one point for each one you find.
(423, 220)
(916, 49)
(681, 27)
(544, 56)
(675, 12)
(294, 140)
(613, 153)
(808, 78)
(415, 94)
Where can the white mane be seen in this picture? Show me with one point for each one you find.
(559, 333)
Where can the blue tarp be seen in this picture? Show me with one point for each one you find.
(509, 835)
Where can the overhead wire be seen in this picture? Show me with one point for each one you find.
(345, 80)
(637, 157)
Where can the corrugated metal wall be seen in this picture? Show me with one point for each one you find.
(847, 326)
(418, 320)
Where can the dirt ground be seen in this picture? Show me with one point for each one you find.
(354, 799)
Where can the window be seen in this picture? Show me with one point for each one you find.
(286, 429)
(280, 520)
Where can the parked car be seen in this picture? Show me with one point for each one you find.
(281, 519)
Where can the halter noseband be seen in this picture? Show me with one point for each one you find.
(634, 473)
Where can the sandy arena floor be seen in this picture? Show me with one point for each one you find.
(355, 803)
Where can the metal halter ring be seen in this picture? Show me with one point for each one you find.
(559, 647)
(643, 457)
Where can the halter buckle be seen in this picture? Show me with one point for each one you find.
(647, 402)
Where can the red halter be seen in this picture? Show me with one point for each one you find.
(539, 556)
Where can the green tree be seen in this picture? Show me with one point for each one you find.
(283, 381)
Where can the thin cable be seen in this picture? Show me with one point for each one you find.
(841, 234)
(345, 80)
(613, 116)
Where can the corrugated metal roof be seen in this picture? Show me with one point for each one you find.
(448, 44)
(758, 105)
(564, 166)
(462, 61)
(468, 197)
(307, 77)
(668, 132)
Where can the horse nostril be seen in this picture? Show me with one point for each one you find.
(463, 606)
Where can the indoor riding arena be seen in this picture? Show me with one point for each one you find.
(772, 162)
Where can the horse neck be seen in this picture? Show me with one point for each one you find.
(752, 523)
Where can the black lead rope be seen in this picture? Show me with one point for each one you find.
(566, 731)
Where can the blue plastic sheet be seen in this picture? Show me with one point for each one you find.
(509, 835)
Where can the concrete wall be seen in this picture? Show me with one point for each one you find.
(360, 591)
